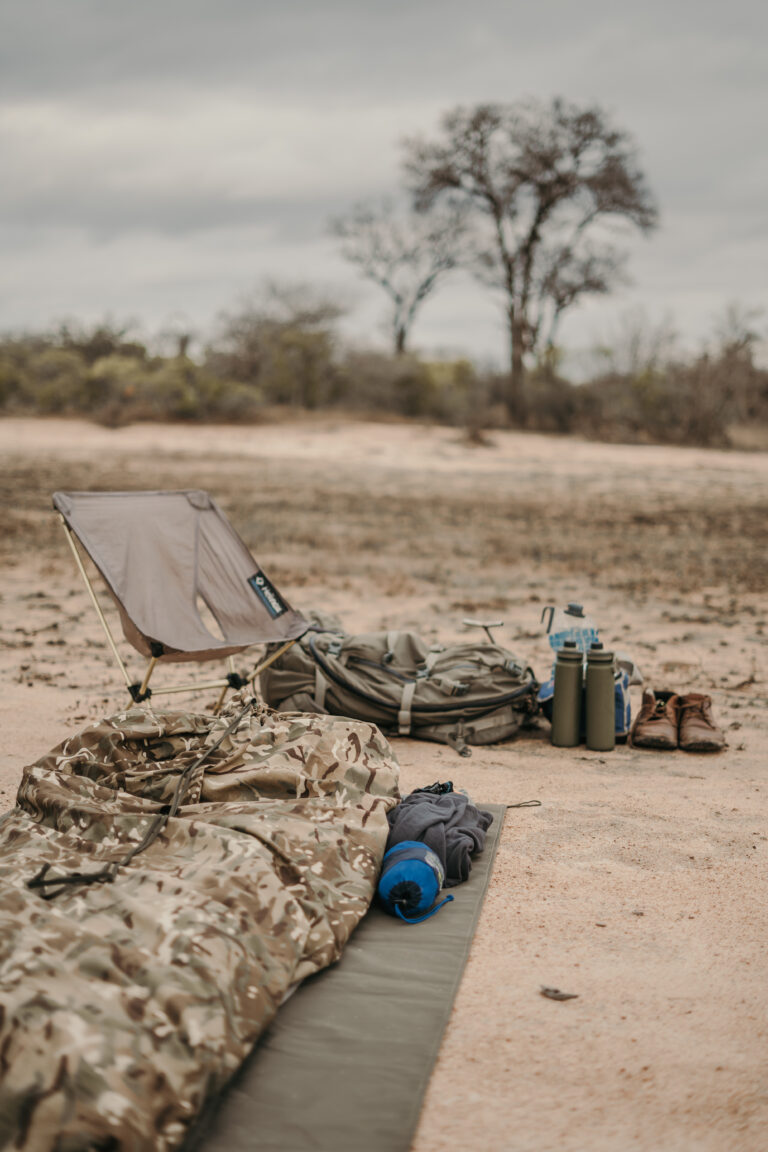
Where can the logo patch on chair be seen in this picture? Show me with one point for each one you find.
(268, 594)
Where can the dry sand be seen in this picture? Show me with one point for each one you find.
(640, 883)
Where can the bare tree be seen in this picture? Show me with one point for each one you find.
(636, 346)
(539, 177)
(737, 330)
(404, 252)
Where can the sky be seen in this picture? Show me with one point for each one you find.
(159, 161)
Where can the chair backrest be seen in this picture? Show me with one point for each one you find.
(161, 554)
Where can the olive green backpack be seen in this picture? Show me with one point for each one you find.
(462, 694)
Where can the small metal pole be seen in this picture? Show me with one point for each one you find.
(148, 673)
(194, 686)
(271, 659)
(220, 701)
(95, 602)
(486, 625)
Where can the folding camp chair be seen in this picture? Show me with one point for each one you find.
(169, 559)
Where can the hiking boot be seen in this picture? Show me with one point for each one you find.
(657, 721)
(698, 731)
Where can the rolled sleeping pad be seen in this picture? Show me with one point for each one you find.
(410, 882)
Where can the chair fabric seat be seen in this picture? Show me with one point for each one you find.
(161, 554)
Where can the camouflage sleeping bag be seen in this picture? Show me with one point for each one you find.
(125, 1005)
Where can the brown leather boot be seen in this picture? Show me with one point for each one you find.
(657, 721)
(698, 731)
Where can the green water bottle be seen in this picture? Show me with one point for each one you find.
(566, 701)
(601, 710)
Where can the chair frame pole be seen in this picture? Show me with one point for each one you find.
(265, 663)
(220, 701)
(147, 674)
(95, 602)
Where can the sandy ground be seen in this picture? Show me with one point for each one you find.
(640, 883)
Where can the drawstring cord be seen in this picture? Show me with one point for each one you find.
(426, 916)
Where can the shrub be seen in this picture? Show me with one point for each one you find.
(103, 341)
(14, 382)
(175, 389)
(551, 403)
(56, 380)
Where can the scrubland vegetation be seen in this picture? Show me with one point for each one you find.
(284, 356)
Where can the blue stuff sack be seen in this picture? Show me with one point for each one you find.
(410, 882)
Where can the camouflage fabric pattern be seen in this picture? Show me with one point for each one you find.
(125, 1005)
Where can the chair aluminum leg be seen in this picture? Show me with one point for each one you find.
(95, 602)
(147, 674)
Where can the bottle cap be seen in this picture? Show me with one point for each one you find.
(569, 644)
(596, 644)
(574, 609)
(570, 654)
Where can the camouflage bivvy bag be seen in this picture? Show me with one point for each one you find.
(138, 970)
(475, 693)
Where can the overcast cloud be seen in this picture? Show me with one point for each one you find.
(159, 160)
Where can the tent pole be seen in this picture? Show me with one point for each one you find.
(95, 602)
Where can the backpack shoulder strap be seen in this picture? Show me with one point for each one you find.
(404, 715)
